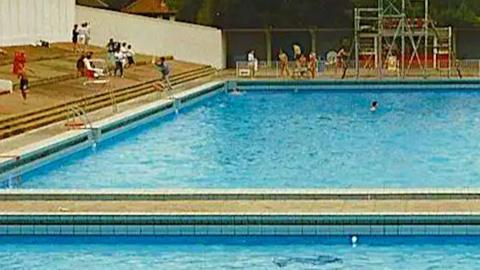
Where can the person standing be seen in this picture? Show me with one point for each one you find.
(297, 51)
(111, 50)
(23, 85)
(75, 37)
(119, 62)
(82, 35)
(283, 57)
(124, 51)
(19, 62)
(87, 34)
(252, 62)
(313, 64)
(130, 54)
(164, 69)
(341, 59)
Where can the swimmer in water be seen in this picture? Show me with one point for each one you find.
(374, 106)
(236, 92)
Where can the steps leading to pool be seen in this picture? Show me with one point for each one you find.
(18, 124)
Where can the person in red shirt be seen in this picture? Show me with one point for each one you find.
(19, 63)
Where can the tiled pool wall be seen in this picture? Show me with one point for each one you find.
(240, 225)
(370, 85)
(36, 155)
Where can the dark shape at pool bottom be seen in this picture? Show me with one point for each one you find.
(315, 261)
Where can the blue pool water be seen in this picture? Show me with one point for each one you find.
(237, 253)
(289, 140)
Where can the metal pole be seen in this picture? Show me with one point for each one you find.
(404, 18)
(450, 55)
(225, 49)
(357, 28)
(380, 37)
(268, 41)
(435, 52)
(313, 36)
(426, 39)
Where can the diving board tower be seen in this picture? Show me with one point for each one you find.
(399, 36)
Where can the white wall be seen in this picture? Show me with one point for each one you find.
(27, 21)
(187, 42)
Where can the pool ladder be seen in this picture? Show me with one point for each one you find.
(78, 112)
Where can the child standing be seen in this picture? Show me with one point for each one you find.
(23, 85)
(130, 54)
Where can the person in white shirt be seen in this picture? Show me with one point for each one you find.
(124, 51)
(130, 54)
(82, 35)
(87, 34)
(252, 62)
(119, 61)
(88, 65)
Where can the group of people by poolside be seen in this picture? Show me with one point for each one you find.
(120, 56)
(304, 67)
(81, 35)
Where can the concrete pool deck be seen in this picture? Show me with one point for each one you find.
(247, 207)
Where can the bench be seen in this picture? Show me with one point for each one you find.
(244, 72)
(6, 87)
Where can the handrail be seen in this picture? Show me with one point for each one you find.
(77, 111)
(114, 101)
(83, 114)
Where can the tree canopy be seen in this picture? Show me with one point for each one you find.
(307, 13)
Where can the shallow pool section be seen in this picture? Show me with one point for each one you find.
(238, 253)
(286, 139)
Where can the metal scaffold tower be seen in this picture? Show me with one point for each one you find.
(399, 36)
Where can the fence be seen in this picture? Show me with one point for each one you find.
(459, 69)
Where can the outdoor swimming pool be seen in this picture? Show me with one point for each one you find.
(237, 253)
(283, 139)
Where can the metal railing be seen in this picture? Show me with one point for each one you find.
(275, 69)
(77, 112)
(113, 100)
(461, 68)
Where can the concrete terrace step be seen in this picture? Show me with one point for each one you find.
(91, 99)
(32, 115)
(21, 123)
(61, 78)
